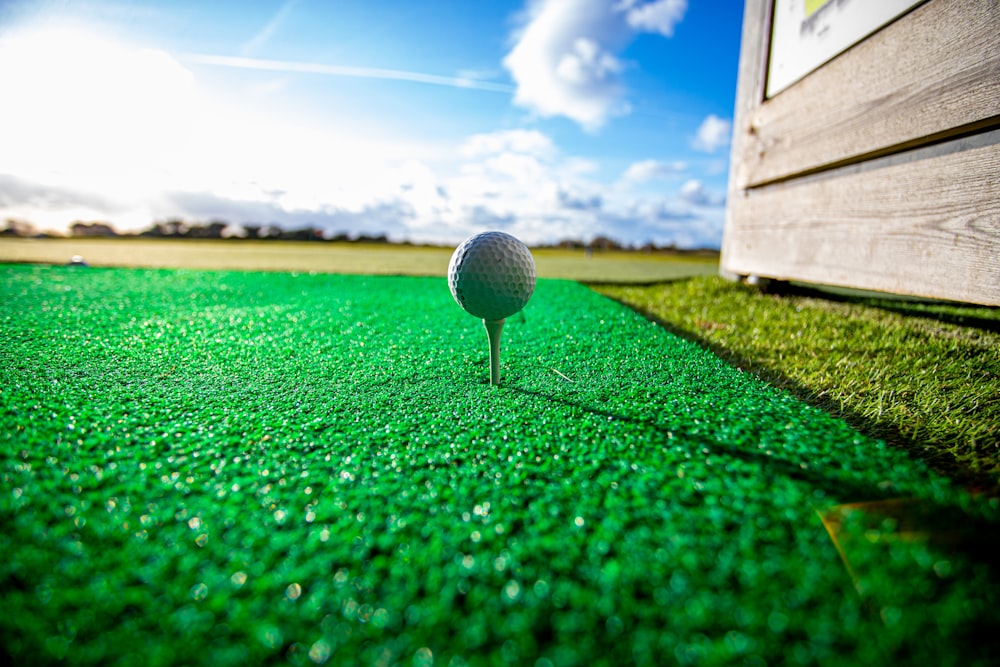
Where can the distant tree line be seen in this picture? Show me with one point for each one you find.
(176, 228)
(220, 229)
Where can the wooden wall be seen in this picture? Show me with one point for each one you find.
(881, 169)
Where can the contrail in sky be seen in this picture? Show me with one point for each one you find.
(269, 29)
(342, 70)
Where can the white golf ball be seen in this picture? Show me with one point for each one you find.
(492, 275)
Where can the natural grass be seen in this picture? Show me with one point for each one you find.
(312, 257)
(922, 376)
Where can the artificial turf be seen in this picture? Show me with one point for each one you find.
(243, 468)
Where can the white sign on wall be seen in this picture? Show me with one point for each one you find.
(807, 33)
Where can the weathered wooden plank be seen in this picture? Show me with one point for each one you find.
(927, 227)
(751, 80)
(931, 74)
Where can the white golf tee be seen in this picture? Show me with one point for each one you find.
(493, 328)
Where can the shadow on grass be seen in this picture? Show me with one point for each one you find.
(970, 532)
(948, 528)
(951, 314)
(832, 484)
(941, 461)
(952, 532)
(969, 315)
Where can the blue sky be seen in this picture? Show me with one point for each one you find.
(425, 120)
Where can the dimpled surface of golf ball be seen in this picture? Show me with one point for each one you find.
(492, 275)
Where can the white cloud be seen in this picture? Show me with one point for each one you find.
(562, 63)
(586, 62)
(530, 142)
(660, 16)
(543, 195)
(128, 162)
(92, 115)
(695, 193)
(130, 127)
(565, 57)
(647, 170)
(713, 133)
(580, 199)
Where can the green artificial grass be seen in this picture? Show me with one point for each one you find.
(228, 468)
(920, 375)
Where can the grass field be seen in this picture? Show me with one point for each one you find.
(241, 467)
(339, 258)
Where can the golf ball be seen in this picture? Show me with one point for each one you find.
(491, 275)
